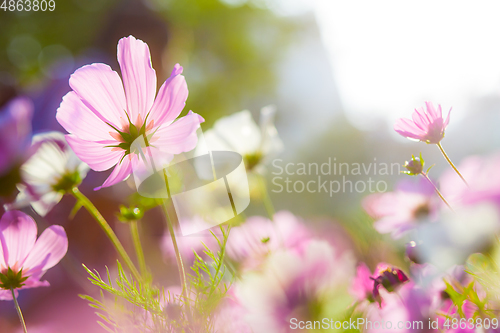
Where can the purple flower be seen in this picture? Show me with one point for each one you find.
(426, 125)
(23, 258)
(104, 116)
(402, 210)
(15, 139)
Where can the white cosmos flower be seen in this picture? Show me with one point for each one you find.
(49, 173)
(239, 132)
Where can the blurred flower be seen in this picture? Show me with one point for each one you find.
(103, 119)
(426, 125)
(362, 285)
(15, 139)
(238, 132)
(450, 312)
(458, 234)
(51, 171)
(483, 179)
(411, 305)
(295, 285)
(188, 245)
(230, 317)
(388, 277)
(257, 237)
(23, 258)
(404, 209)
(367, 286)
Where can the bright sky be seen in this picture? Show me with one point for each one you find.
(389, 56)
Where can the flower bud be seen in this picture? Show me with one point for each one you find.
(415, 166)
(412, 252)
(128, 214)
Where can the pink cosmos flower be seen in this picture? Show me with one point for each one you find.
(23, 258)
(426, 125)
(400, 211)
(104, 116)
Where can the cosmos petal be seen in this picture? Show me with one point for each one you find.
(97, 155)
(171, 98)
(120, 172)
(139, 77)
(101, 90)
(17, 235)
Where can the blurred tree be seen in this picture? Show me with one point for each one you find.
(228, 50)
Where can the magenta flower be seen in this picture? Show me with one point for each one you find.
(104, 116)
(389, 277)
(362, 285)
(426, 125)
(23, 258)
(367, 286)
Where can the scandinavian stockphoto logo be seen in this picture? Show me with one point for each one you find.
(207, 187)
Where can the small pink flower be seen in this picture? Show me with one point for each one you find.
(104, 116)
(426, 125)
(23, 258)
(402, 210)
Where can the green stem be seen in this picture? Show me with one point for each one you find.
(268, 204)
(19, 313)
(436, 189)
(450, 162)
(85, 202)
(178, 257)
(134, 231)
